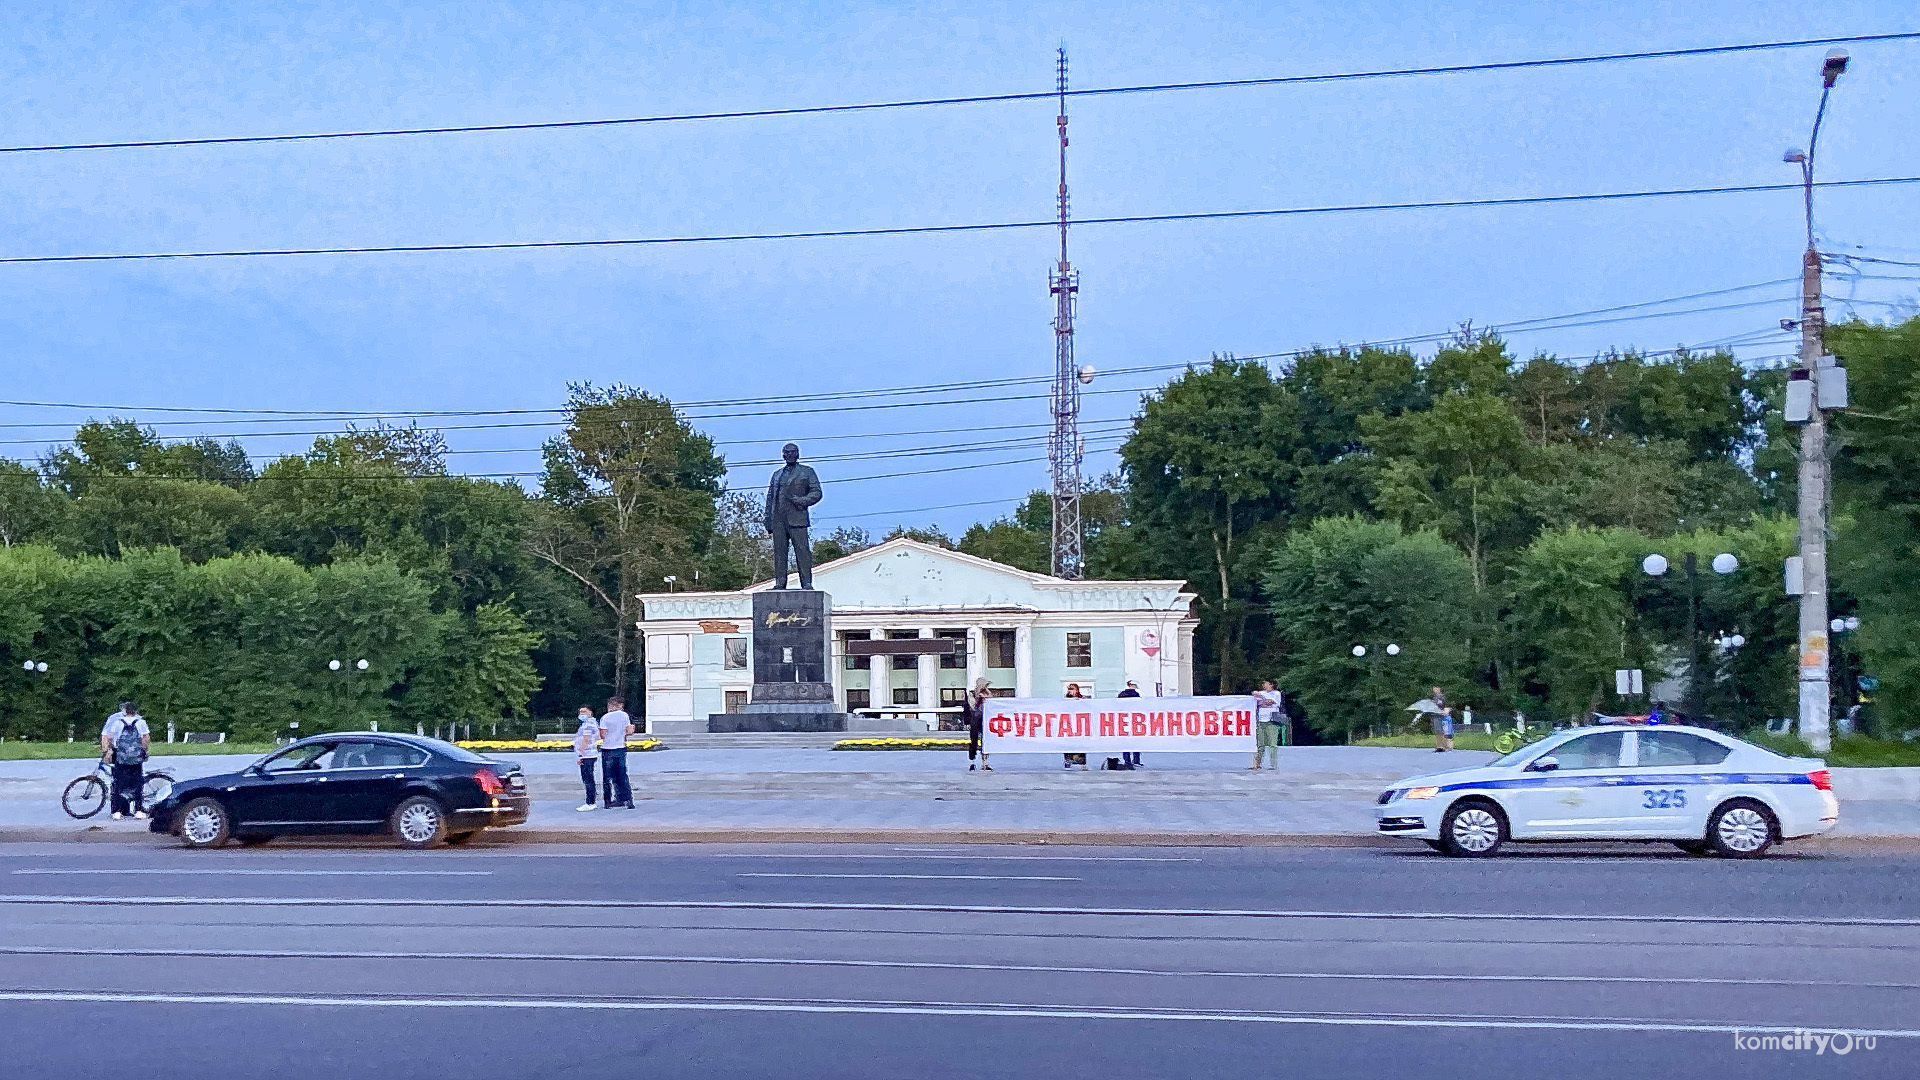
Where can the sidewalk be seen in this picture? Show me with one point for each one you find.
(1319, 795)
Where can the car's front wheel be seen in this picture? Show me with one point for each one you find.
(1473, 829)
(1741, 829)
(204, 823)
(419, 822)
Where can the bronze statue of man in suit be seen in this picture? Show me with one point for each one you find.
(792, 490)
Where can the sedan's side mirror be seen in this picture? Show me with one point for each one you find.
(1544, 764)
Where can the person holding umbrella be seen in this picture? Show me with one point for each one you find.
(1435, 708)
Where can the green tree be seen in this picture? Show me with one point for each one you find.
(1876, 447)
(30, 511)
(1209, 464)
(1572, 618)
(1345, 581)
(631, 490)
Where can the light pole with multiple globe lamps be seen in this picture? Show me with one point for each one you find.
(1725, 563)
(1373, 680)
(337, 668)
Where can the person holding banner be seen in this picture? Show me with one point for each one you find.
(1068, 761)
(1269, 714)
(973, 709)
(1130, 759)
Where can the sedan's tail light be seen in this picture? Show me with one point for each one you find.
(489, 783)
(1822, 779)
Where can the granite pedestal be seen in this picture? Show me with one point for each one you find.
(792, 630)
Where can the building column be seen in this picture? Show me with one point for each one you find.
(836, 671)
(929, 683)
(879, 676)
(1183, 661)
(1023, 661)
(976, 656)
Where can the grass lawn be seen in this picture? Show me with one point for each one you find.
(1849, 751)
(1462, 740)
(43, 751)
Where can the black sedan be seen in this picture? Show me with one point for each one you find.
(422, 791)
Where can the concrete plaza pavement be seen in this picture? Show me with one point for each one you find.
(1319, 794)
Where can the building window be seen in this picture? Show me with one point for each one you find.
(1000, 649)
(953, 695)
(906, 695)
(859, 699)
(1080, 649)
(736, 701)
(959, 657)
(999, 691)
(847, 661)
(733, 652)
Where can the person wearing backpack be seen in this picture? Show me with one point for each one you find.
(124, 741)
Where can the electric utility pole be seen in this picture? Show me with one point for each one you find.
(1816, 710)
(1063, 447)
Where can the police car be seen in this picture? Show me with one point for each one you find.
(1705, 791)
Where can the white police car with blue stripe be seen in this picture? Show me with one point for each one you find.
(1705, 791)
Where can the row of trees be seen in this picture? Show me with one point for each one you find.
(1490, 516)
(1486, 514)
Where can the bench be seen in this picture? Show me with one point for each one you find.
(205, 737)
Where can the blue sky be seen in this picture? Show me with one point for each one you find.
(509, 330)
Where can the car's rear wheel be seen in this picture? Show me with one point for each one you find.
(1742, 829)
(204, 823)
(419, 822)
(1473, 829)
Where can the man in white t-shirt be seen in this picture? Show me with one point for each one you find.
(586, 751)
(124, 740)
(615, 726)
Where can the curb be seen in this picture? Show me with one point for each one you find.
(518, 835)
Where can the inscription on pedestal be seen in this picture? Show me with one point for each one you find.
(791, 634)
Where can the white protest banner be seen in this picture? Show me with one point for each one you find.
(1118, 725)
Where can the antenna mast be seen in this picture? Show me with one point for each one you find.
(1064, 447)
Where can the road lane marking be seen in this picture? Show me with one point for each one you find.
(971, 858)
(916, 877)
(1814, 921)
(937, 1008)
(215, 871)
(918, 965)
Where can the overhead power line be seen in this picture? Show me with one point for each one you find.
(911, 230)
(919, 230)
(979, 99)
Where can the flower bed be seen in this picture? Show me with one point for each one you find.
(901, 743)
(528, 746)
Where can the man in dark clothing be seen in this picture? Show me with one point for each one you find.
(1132, 760)
(124, 740)
(794, 488)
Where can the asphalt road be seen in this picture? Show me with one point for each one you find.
(818, 961)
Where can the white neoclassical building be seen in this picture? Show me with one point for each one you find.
(1029, 634)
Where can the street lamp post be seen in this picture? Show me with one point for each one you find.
(1815, 700)
(1373, 680)
(1723, 564)
(338, 668)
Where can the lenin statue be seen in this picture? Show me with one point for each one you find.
(792, 490)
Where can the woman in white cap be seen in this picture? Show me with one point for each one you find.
(974, 711)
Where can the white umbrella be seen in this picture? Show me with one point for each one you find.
(1424, 705)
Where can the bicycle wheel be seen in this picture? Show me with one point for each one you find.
(84, 797)
(154, 788)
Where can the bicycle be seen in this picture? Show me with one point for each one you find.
(87, 795)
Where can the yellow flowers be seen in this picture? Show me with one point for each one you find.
(521, 746)
(904, 742)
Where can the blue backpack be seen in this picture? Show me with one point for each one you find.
(126, 745)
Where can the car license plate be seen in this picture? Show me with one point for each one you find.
(516, 781)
